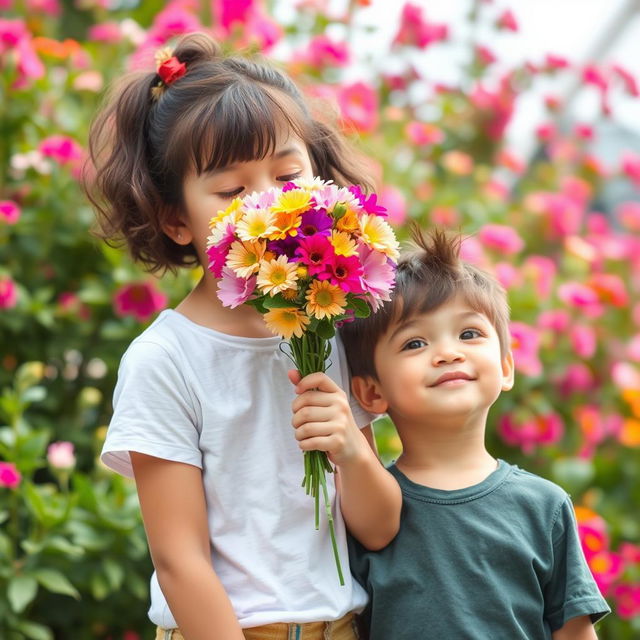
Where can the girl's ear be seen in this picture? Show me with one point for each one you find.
(369, 394)
(178, 231)
(507, 371)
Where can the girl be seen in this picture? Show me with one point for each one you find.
(201, 406)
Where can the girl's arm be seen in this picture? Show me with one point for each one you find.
(370, 497)
(175, 519)
(579, 628)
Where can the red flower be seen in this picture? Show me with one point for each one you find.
(172, 69)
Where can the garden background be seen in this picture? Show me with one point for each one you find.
(558, 223)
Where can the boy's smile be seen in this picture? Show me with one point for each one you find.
(441, 366)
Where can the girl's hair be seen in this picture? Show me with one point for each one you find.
(225, 109)
(426, 278)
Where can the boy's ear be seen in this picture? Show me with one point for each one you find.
(369, 394)
(508, 371)
(178, 231)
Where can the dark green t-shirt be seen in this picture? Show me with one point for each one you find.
(497, 561)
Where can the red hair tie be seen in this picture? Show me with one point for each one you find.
(169, 68)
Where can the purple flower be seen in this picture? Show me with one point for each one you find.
(315, 221)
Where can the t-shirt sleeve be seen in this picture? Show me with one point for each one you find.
(362, 417)
(153, 411)
(571, 590)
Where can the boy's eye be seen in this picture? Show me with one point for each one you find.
(414, 344)
(230, 194)
(470, 334)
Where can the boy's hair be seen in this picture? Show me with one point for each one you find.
(426, 278)
(225, 109)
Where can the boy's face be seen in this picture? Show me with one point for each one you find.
(441, 365)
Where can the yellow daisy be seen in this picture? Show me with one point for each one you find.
(288, 209)
(286, 322)
(256, 223)
(377, 234)
(325, 300)
(244, 257)
(277, 275)
(348, 222)
(343, 244)
(233, 210)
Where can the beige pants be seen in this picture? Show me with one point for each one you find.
(343, 629)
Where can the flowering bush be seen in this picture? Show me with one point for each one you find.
(71, 543)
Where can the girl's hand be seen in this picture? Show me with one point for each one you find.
(323, 420)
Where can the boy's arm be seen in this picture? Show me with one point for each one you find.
(370, 497)
(579, 628)
(175, 519)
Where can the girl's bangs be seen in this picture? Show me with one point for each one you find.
(242, 125)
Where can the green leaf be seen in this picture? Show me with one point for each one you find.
(21, 591)
(325, 329)
(114, 573)
(34, 394)
(360, 307)
(277, 302)
(99, 586)
(56, 582)
(34, 631)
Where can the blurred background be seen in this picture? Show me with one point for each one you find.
(515, 122)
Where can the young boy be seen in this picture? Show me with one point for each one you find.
(485, 551)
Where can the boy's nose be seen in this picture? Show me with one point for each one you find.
(446, 355)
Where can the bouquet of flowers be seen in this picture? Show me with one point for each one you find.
(308, 256)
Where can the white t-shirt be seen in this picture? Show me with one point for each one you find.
(223, 403)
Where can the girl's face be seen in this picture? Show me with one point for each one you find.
(206, 194)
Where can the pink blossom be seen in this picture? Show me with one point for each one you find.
(9, 211)
(627, 597)
(8, 293)
(528, 434)
(88, 81)
(525, 343)
(511, 161)
(564, 213)
(471, 251)
(633, 348)
(11, 33)
(631, 166)
(233, 290)
(629, 80)
(344, 272)
(232, 12)
(629, 215)
(139, 299)
(62, 149)
(396, 204)
(625, 375)
(423, 133)
(445, 216)
(584, 131)
(507, 21)
(630, 552)
(496, 108)
(415, 31)
(377, 273)
(501, 238)
(576, 189)
(508, 276)
(593, 165)
(325, 52)
(546, 131)
(583, 340)
(554, 62)
(484, 55)
(606, 567)
(30, 66)
(60, 455)
(592, 75)
(553, 103)
(594, 428)
(359, 106)
(555, 320)
(458, 162)
(496, 190)
(577, 378)
(108, 32)
(314, 252)
(50, 7)
(610, 288)
(580, 296)
(542, 271)
(9, 475)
